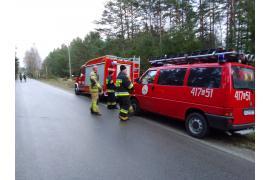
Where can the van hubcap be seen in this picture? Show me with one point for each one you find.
(195, 125)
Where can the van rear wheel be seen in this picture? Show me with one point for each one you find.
(196, 125)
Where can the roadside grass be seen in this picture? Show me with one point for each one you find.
(246, 141)
(64, 83)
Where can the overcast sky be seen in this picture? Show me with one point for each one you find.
(49, 23)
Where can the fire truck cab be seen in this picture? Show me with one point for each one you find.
(105, 64)
(206, 90)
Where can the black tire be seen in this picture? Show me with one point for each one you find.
(196, 125)
(136, 106)
(76, 90)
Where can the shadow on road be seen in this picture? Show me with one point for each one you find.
(235, 139)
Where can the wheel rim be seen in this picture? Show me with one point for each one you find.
(195, 125)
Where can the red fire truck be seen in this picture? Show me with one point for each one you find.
(104, 64)
(207, 89)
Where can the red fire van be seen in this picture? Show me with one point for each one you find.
(206, 90)
(104, 64)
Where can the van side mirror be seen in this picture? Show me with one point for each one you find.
(137, 80)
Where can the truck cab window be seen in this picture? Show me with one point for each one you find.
(148, 77)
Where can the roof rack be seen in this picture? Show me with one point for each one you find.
(134, 59)
(219, 55)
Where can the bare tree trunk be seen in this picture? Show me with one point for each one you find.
(132, 21)
(160, 25)
(227, 25)
(121, 21)
(213, 24)
(201, 21)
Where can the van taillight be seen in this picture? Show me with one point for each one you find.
(228, 114)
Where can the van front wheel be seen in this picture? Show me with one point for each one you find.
(196, 125)
(136, 106)
(76, 90)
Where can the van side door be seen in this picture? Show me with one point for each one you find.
(144, 89)
(169, 92)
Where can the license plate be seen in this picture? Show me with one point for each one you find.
(249, 112)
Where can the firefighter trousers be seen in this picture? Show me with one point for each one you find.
(125, 107)
(94, 103)
(111, 100)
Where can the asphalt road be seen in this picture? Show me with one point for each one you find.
(57, 138)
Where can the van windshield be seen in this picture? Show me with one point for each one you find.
(243, 78)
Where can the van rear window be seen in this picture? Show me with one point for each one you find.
(208, 77)
(243, 78)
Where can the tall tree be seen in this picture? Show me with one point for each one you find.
(32, 62)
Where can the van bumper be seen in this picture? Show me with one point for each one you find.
(226, 123)
(243, 126)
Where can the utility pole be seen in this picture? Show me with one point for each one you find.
(46, 72)
(69, 62)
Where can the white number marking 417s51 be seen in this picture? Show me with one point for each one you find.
(205, 92)
(242, 95)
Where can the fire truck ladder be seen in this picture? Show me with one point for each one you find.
(136, 70)
(135, 60)
(206, 56)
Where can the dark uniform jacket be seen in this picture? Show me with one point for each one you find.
(110, 85)
(123, 85)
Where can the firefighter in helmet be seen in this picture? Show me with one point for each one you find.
(111, 99)
(95, 89)
(124, 88)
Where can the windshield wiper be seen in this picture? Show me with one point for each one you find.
(245, 88)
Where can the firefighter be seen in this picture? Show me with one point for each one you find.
(21, 77)
(111, 100)
(95, 88)
(124, 88)
(24, 77)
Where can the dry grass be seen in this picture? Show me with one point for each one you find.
(63, 83)
(240, 140)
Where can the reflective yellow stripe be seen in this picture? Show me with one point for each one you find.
(94, 90)
(122, 94)
(110, 90)
(131, 110)
(124, 111)
(111, 103)
(107, 81)
(118, 82)
(123, 118)
(130, 86)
